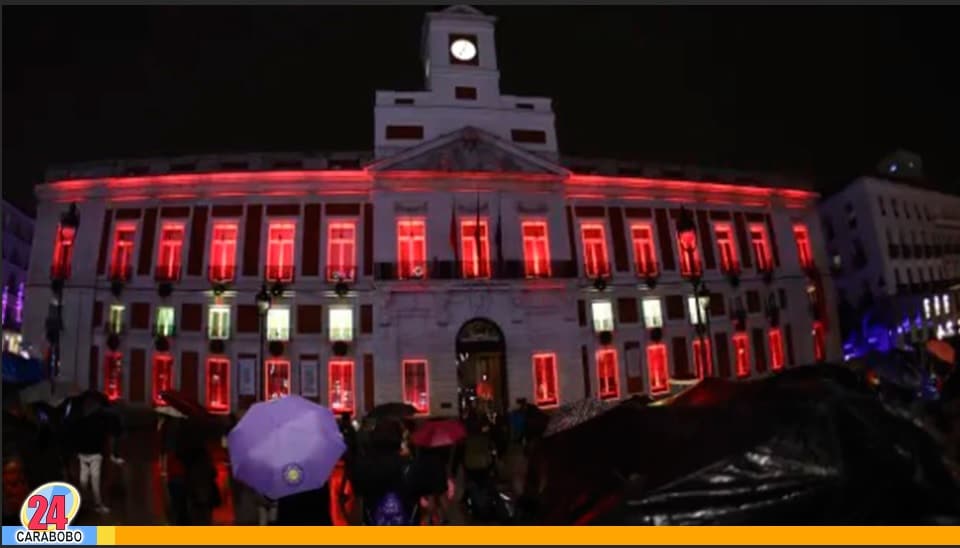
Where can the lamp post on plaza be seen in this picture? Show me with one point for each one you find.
(687, 238)
(66, 231)
(264, 300)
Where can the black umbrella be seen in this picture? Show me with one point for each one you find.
(394, 410)
(85, 404)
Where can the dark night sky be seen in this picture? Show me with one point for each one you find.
(821, 92)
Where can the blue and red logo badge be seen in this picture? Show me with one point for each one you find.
(46, 516)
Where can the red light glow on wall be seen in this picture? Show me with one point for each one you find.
(341, 251)
(594, 240)
(416, 385)
(340, 386)
(545, 393)
(607, 376)
(276, 379)
(702, 359)
(536, 249)
(412, 248)
(741, 352)
(218, 385)
(658, 369)
(113, 376)
(775, 339)
(162, 376)
(223, 252)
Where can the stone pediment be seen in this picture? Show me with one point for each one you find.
(469, 150)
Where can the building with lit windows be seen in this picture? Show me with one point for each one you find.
(894, 249)
(464, 262)
(17, 238)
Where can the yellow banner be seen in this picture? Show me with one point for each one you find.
(528, 535)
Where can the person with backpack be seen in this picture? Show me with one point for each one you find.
(382, 479)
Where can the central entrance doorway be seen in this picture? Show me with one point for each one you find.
(481, 368)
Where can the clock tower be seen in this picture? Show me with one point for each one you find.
(459, 56)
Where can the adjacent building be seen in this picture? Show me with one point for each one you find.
(463, 262)
(17, 237)
(895, 255)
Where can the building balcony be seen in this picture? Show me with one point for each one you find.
(60, 272)
(167, 273)
(221, 274)
(691, 269)
(597, 271)
(648, 270)
(341, 274)
(452, 270)
(282, 274)
(121, 274)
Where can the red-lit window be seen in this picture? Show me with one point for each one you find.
(536, 249)
(218, 385)
(741, 353)
(761, 246)
(162, 376)
(819, 342)
(276, 379)
(412, 248)
(121, 262)
(342, 251)
(594, 239)
(689, 254)
(223, 252)
(643, 251)
(729, 262)
(475, 246)
(63, 252)
(168, 254)
(416, 388)
(280, 252)
(545, 379)
(658, 368)
(702, 359)
(607, 377)
(113, 376)
(341, 386)
(776, 348)
(804, 251)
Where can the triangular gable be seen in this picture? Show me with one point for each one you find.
(469, 150)
(463, 9)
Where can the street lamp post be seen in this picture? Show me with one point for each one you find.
(263, 306)
(687, 238)
(69, 221)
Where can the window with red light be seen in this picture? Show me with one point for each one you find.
(411, 248)
(169, 252)
(545, 379)
(594, 239)
(218, 385)
(644, 253)
(609, 381)
(658, 369)
(113, 376)
(702, 360)
(475, 248)
(741, 352)
(416, 388)
(729, 261)
(63, 252)
(276, 379)
(761, 246)
(341, 251)
(341, 386)
(280, 240)
(162, 376)
(121, 261)
(689, 254)
(223, 252)
(819, 342)
(776, 348)
(536, 249)
(804, 251)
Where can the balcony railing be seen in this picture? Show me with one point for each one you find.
(166, 273)
(452, 270)
(648, 270)
(60, 272)
(279, 273)
(598, 270)
(339, 273)
(219, 274)
(730, 269)
(121, 274)
(691, 269)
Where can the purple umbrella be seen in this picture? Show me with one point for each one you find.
(285, 446)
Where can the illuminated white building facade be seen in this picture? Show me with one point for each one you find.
(464, 262)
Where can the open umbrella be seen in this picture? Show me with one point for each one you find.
(85, 404)
(575, 413)
(394, 410)
(439, 433)
(184, 404)
(943, 351)
(285, 446)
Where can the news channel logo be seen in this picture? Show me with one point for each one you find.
(46, 516)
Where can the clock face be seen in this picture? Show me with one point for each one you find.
(463, 49)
